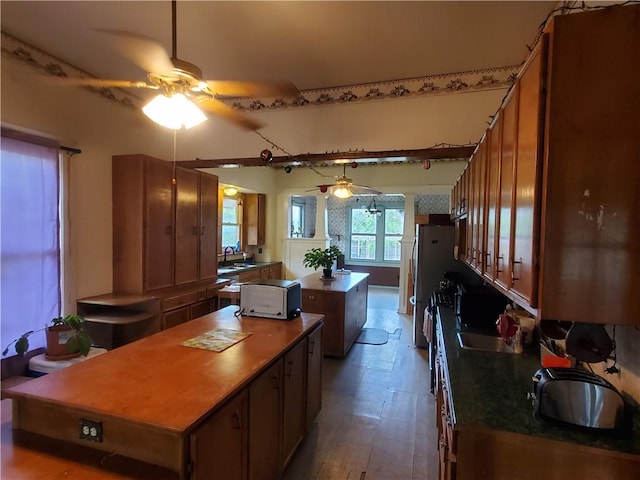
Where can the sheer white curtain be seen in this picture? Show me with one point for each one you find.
(29, 239)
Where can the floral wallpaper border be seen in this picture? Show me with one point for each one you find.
(489, 79)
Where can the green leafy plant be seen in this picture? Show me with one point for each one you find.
(79, 341)
(318, 257)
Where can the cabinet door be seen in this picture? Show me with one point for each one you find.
(470, 177)
(176, 317)
(219, 445)
(187, 234)
(275, 271)
(265, 399)
(254, 221)
(493, 185)
(332, 306)
(314, 375)
(505, 197)
(526, 206)
(158, 225)
(293, 426)
(208, 226)
(479, 206)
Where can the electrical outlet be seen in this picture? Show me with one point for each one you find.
(260, 250)
(90, 430)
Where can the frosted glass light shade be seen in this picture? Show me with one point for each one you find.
(342, 192)
(174, 111)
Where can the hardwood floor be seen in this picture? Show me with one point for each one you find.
(377, 420)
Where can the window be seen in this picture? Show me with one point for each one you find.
(375, 238)
(30, 242)
(297, 218)
(230, 222)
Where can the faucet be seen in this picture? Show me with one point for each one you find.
(226, 249)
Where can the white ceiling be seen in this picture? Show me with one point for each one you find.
(313, 44)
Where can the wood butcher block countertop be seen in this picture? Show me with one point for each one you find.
(340, 283)
(159, 382)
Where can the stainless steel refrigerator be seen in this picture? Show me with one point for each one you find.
(432, 255)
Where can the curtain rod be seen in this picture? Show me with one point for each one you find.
(70, 150)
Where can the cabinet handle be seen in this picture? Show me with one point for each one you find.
(195, 230)
(513, 275)
(202, 230)
(487, 263)
(168, 230)
(498, 269)
(312, 297)
(276, 381)
(238, 418)
(312, 344)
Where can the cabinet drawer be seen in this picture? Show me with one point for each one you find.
(176, 317)
(201, 308)
(186, 298)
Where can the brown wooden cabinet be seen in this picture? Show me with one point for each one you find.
(295, 393)
(343, 302)
(265, 423)
(254, 219)
(493, 139)
(314, 375)
(219, 446)
(159, 227)
(566, 244)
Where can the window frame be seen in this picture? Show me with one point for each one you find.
(238, 223)
(380, 234)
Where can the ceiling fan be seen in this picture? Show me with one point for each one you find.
(345, 188)
(174, 77)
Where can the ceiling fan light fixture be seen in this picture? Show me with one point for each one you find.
(230, 191)
(342, 192)
(174, 111)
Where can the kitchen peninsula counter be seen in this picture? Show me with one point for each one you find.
(343, 302)
(149, 397)
(494, 429)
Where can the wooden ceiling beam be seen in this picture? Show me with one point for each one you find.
(310, 159)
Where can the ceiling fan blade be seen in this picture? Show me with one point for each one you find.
(216, 107)
(98, 82)
(252, 89)
(145, 52)
(364, 190)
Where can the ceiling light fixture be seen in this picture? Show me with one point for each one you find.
(174, 111)
(342, 192)
(230, 191)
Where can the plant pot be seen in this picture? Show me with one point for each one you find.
(57, 343)
(326, 272)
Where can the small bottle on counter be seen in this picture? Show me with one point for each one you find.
(517, 340)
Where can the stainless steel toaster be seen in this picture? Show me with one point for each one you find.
(578, 397)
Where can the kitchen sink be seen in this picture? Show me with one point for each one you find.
(487, 343)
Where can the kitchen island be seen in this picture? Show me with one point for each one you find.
(343, 302)
(191, 412)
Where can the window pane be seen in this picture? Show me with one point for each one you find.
(296, 221)
(393, 221)
(362, 222)
(392, 248)
(30, 288)
(363, 247)
(229, 210)
(230, 235)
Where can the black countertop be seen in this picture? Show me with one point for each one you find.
(489, 390)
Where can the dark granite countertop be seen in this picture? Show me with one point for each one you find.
(489, 390)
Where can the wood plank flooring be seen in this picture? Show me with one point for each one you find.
(378, 417)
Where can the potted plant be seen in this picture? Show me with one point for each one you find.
(67, 337)
(318, 257)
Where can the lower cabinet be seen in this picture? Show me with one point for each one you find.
(293, 421)
(220, 444)
(265, 399)
(256, 433)
(314, 375)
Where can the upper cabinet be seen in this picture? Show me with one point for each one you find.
(164, 224)
(559, 193)
(254, 219)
